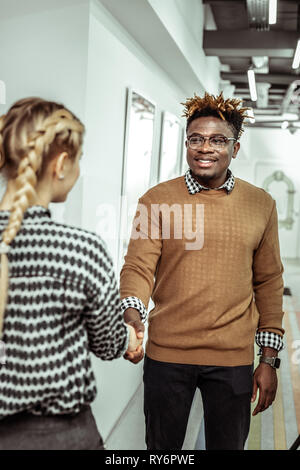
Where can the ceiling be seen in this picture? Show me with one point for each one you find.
(242, 38)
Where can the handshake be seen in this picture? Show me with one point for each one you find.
(135, 351)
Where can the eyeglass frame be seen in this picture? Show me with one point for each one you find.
(211, 137)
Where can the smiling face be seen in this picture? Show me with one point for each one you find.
(209, 166)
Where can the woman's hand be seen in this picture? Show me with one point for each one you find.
(134, 340)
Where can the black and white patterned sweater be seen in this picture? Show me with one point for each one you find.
(63, 303)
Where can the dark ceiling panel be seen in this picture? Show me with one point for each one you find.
(280, 65)
(287, 16)
(237, 45)
(248, 43)
(231, 14)
(285, 79)
(236, 63)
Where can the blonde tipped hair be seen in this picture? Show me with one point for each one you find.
(229, 110)
(31, 133)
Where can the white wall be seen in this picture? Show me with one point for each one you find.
(185, 21)
(262, 152)
(45, 51)
(45, 55)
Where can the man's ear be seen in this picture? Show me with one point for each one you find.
(236, 149)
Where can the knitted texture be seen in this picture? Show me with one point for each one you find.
(63, 302)
(208, 301)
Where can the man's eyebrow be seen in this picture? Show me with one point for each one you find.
(196, 134)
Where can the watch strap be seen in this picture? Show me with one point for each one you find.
(272, 361)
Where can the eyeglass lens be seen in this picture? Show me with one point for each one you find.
(215, 141)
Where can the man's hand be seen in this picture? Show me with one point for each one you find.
(132, 317)
(135, 356)
(264, 380)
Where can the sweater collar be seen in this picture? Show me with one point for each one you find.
(194, 186)
(33, 215)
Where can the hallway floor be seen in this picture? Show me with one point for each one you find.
(274, 429)
(278, 427)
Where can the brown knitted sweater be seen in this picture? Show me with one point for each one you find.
(209, 297)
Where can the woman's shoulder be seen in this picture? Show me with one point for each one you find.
(82, 252)
(79, 236)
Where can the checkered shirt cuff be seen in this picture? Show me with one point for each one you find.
(134, 302)
(266, 339)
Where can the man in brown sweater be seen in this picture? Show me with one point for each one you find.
(205, 248)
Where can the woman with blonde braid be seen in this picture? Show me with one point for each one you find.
(58, 293)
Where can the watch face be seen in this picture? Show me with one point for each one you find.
(277, 362)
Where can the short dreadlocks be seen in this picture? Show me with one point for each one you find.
(229, 110)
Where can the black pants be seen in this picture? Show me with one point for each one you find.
(168, 394)
(24, 431)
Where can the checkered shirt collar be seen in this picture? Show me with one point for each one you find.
(194, 186)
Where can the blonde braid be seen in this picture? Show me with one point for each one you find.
(60, 123)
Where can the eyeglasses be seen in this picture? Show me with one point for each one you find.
(215, 142)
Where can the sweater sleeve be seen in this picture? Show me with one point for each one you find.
(107, 333)
(143, 254)
(267, 278)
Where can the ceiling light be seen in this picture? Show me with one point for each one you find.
(252, 85)
(272, 11)
(296, 60)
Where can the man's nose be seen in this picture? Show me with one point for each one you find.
(205, 147)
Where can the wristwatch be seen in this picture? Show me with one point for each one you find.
(272, 361)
